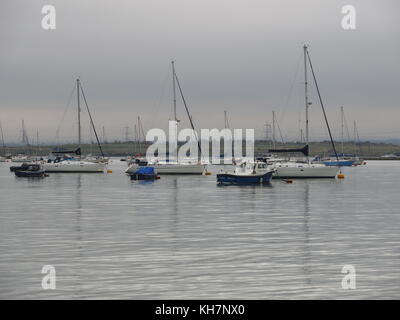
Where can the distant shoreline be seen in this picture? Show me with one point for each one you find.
(365, 150)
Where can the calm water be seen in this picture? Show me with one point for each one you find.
(184, 237)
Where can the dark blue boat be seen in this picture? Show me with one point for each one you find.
(247, 174)
(32, 171)
(23, 166)
(144, 173)
(229, 178)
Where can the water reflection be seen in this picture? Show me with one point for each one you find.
(184, 237)
(306, 228)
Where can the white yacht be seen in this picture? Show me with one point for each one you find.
(72, 164)
(305, 169)
(177, 167)
(291, 169)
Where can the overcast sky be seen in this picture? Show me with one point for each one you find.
(240, 56)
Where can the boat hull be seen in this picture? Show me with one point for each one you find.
(30, 174)
(138, 176)
(229, 178)
(305, 172)
(74, 167)
(24, 166)
(341, 163)
(172, 168)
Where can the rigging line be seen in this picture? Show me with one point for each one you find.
(358, 139)
(290, 93)
(57, 137)
(91, 120)
(188, 114)
(157, 102)
(2, 139)
(335, 128)
(323, 108)
(280, 132)
(142, 131)
(347, 128)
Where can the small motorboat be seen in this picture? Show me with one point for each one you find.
(144, 173)
(23, 166)
(31, 171)
(247, 173)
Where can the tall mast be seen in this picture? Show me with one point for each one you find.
(306, 92)
(138, 133)
(126, 128)
(2, 139)
(135, 139)
(322, 105)
(226, 119)
(342, 130)
(273, 130)
(91, 137)
(266, 131)
(23, 132)
(25, 139)
(37, 142)
(173, 140)
(174, 89)
(188, 115)
(79, 113)
(355, 138)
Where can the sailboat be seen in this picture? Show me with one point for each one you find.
(67, 163)
(307, 169)
(164, 166)
(344, 160)
(357, 160)
(3, 158)
(25, 141)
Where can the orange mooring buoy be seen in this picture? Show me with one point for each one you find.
(340, 176)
